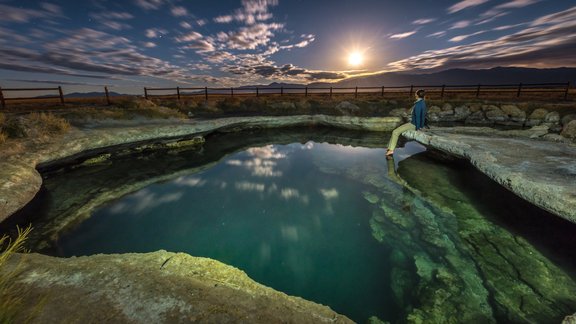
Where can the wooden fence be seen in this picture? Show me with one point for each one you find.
(477, 90)
(59, 95)
(440, 91)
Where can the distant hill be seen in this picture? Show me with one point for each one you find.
(497, 75)
(92, 94)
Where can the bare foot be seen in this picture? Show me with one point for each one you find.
(389, 152)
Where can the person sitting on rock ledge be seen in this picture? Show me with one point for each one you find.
(417, 121)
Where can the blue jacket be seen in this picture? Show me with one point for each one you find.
(419, 114)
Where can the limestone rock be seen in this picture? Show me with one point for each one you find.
(447, 107)
(433, 113)
(475, 107)
(477, 118)
(552, 117)
(514, 113)
(567, 119)
(158, 287)
(347, 108)
(536, 117)
(461, 112)
(399, 112)
(569, 130)
(494, 114)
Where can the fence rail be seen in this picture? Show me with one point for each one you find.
(440, 91)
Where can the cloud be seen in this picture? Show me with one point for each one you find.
(113, 20)
(178, 11)
(149, 44)
(21, 15)
(516, 4)
(185, 25)
(465, 4)
(423, 21)
(192, 36)
(250, 37)
(150, 4)
(551, 37)
(437, 34)
(252, 11)
(463, 37)
(155, 32)
(403, 35)
(461, 24)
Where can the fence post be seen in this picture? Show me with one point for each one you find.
(306, 92)
(61, 95)
(356, 93)
(145, 93)
(257, 92)
(281, 91)
(206, 93)
(565, 93)
(442, 92)
(478, 91)
(330, 92)
(178, 93)
(382, 91)
(519, 90)
(231, 91)
(107, 96)
(2, 98)
(411, 90)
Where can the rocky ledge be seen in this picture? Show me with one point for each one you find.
(526, 162)
(168, 288)
(20, 181)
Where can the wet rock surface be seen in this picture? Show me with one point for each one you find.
(158, 287)
(539, 171)
(450, 263)
(21, 181)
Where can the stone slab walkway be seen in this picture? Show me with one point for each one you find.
(541, 171)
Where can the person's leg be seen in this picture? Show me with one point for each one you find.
(396, 133)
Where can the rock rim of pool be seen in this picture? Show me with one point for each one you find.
(168, 287)
(542, 172)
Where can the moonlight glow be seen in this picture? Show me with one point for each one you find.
(355, 59)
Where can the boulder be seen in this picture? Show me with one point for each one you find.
(536, 117)
(552, 117)
(477, 118)
(569, 130)
(514, 113)
(461, 112)
(475, 107)
(496, 115)
(567, 119)
(447, 107)
(433, 113)
(347, 108)
(399, 112)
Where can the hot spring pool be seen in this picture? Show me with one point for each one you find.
(311, 215)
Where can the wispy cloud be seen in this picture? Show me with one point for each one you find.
(179, 11)
(403, 35)
(461, 24)
(551, 36)
(113, 20)
(437, 34)
(252, 11)
(21, 15)
(465, 4)
(150, 4)
(463, 37)
(423, 21)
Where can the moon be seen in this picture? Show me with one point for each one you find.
(355, 59)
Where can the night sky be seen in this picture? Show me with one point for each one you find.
(85, 44)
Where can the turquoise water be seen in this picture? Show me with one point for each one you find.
(268, 211)
(323, 215)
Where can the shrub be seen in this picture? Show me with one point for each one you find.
(48, 123)
(11, 304)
